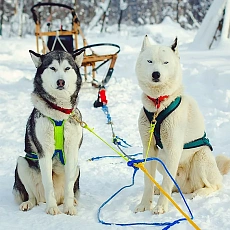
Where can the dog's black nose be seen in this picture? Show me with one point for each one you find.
(60, 82)
(156, 75)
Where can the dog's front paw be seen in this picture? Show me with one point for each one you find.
(156, 191)
(160, 209)
(53, 210)
(70, 210)
(26, 206)
(143, 207)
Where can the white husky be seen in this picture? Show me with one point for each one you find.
(49, 172)
(179, 137)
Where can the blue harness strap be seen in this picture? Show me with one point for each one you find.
(31, 156)
(61, 155)
(162, 115)
(59, 142)
(198, 143)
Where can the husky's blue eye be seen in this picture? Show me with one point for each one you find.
(166, 62)
(67, 68)
(52, 68)
(149, 61)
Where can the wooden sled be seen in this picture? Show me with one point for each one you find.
(70, 40)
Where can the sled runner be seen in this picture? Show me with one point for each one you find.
(70, 39)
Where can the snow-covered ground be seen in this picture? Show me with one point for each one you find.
(206, 78)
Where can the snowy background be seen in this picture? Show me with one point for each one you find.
(206, 78)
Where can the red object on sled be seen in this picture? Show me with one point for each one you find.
(102, 95)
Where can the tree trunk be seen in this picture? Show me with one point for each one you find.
(103, 21)
(104, 16)
(20, 18)
(119, 20)
(101, 12)
(177, 9)
(2, 15)
(76, 5)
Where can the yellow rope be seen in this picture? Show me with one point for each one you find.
(152, 128)
(84, 125)
(92, 131)
(153, 124)
(140, 166)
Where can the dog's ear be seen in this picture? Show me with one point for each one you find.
(78, 56)
(36, 58)
(145, 43)
(174, 47)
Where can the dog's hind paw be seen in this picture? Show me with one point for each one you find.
(26, 206)
(53, 210)
(203, 192)
(143, 207)
(70, 210)
(160, 209)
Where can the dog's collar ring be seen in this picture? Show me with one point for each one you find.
(83, 124)
(75, 117)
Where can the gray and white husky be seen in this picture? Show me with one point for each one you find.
(49, 172)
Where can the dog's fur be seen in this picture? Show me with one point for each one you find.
(48, 180)
(196, 169)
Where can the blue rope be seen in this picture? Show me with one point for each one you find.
(131, 163)
(116, 142)
(106, 112)
(166, 224)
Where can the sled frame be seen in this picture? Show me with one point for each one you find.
(76, 32)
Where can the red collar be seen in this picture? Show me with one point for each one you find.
(157, 101)
(54, 106)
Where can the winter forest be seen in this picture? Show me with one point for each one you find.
(16, 18)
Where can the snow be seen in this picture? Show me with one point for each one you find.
(226, 23)
(123, 5)
(206, 78)
(209, 25)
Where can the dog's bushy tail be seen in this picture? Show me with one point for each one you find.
(223, 164)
